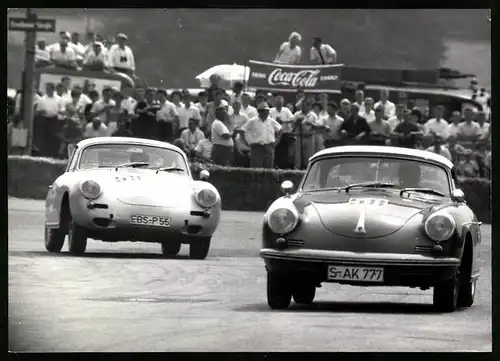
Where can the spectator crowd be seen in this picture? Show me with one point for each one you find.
(254, 130)
(95, 54)
(235, 128)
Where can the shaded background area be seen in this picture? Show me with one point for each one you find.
(173, 46)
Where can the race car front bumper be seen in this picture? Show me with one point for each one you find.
(412, 270)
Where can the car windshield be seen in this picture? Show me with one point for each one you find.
(113, 155)
(337, 172)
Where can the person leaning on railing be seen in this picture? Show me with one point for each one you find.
(407, 133)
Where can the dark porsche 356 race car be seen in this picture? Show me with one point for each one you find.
(367, 216)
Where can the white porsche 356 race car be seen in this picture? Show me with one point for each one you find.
(129, 189)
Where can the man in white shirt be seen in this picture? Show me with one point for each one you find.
(77, 46)
(167, 117)
(236, 121)
(120, 56)
(95, 59)
(128, 102)
(42, 54)
(222, 138)
(204, 147)
(83, 100)
(438, 147)
(322, 53)
(186, 110)
(332, 126)
(359, 95)
(290, 51)
(262, 134)
(437, 125)
(398, 117)
(49, 111)
(484, 127)
(96, 129)
(237, 92)
(389, 107)
(469, 131)
(61, 54)
(246, 108)
(453, 128)
(368, 112)
(102, 107)
(192, 136)
(202, 107)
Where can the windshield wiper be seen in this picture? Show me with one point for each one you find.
(367, 185)
(132, 165)
(421, 190)
(169, 169)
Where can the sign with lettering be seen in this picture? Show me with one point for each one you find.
(283, 77)
(35, 24)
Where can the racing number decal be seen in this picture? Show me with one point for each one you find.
(365, 202)
(130, 177)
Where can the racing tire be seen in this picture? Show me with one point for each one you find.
(199, 247)
(279, 293)
(467, 293)
(170, 249)
(54, 239)
(77, 239)
(445, 294)
(304, 294)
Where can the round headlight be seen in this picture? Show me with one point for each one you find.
(206, 197)
(440, 227)
(90, 189)
(282, 220)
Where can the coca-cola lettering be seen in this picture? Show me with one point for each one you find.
(300, 79)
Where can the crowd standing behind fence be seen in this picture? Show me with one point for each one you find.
(232, 128)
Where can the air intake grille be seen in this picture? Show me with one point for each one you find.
(424, 249)
(294, 243)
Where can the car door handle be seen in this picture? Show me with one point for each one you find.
(50, 187)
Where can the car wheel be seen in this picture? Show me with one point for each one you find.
(467, 293)
(199, 247)
(77, 239)
(279, 293)
(170, 249)
(445, 295)
(54, 239)
(304, 294)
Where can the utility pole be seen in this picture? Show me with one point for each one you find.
(30, 25)
(28, 79)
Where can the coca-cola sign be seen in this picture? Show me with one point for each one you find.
(296, 79)
(274, 76)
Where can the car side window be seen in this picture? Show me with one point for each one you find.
(72, 160)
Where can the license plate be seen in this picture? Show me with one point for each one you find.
(154, 221)
(360, 274)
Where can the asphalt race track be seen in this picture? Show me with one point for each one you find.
(126, 297)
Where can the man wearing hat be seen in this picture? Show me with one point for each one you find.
(322, 53)
(61, 54)
(262, 134)
(120, 56)
(222, 138)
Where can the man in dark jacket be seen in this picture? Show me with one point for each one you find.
(355, 127)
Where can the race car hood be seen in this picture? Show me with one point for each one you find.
(366, 214)
(144, 187)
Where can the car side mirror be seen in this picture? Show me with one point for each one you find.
(287, 187)
(458, 196)
(204, 175)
